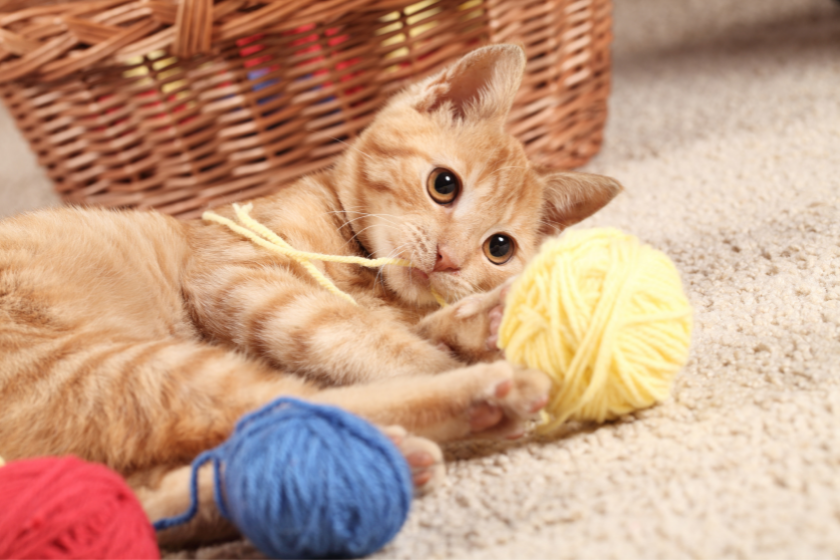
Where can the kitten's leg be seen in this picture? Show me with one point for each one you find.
(136, 404)
(486, 400)
(167, 494)
(304, 329)
(470, 326)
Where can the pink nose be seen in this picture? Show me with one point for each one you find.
(445, 260)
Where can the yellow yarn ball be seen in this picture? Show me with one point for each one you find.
(606, 317)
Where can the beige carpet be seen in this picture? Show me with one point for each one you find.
(725, 129)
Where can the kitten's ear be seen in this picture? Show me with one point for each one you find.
(570, 197)
(481, 85)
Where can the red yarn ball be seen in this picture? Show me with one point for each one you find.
(66, 508)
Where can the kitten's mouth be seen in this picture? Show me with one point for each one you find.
(422, 287)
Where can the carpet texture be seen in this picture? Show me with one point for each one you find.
(724, 128)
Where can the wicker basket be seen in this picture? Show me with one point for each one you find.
(185, 105)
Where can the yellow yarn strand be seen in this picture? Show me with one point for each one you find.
(438, 298)
(260, 235)
(281, 249)
(606, 317)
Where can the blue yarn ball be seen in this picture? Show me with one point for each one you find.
(309, 481)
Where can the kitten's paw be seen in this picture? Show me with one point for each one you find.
(473, 329)
(514, 396)
(424, 458)
(483, 302)
(494, 318)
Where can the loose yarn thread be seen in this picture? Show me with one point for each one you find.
(264, 237)
(606, 317)
(63, 507)
(307, 481)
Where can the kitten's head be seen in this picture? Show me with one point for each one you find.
(436, 179)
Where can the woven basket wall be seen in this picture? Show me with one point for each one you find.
(185, 105)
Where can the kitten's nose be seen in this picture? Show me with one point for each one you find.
(445, 260)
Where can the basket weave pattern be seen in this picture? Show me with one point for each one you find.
(185, 105)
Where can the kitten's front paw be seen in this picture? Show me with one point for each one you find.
(490, 304)
(424, 458)
(515, 397)
(470, 327)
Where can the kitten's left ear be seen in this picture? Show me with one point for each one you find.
(481, 85)
(569, 197)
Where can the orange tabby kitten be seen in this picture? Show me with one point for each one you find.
(137, 340)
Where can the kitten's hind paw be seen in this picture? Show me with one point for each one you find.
(424, 458)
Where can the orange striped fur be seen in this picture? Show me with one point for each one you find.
(136, 340)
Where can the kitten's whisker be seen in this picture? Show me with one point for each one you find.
(387, 218)
(348, 222)
(395, 251)
(348, 210)
(357, 233)
(388, 224)
(367, 228)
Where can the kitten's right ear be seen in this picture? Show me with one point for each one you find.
(481, 85)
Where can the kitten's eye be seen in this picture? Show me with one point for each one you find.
(443, 185)
(499, 248)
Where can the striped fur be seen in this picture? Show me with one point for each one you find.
(136, 340)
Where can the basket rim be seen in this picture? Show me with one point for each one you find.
(53, 41)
